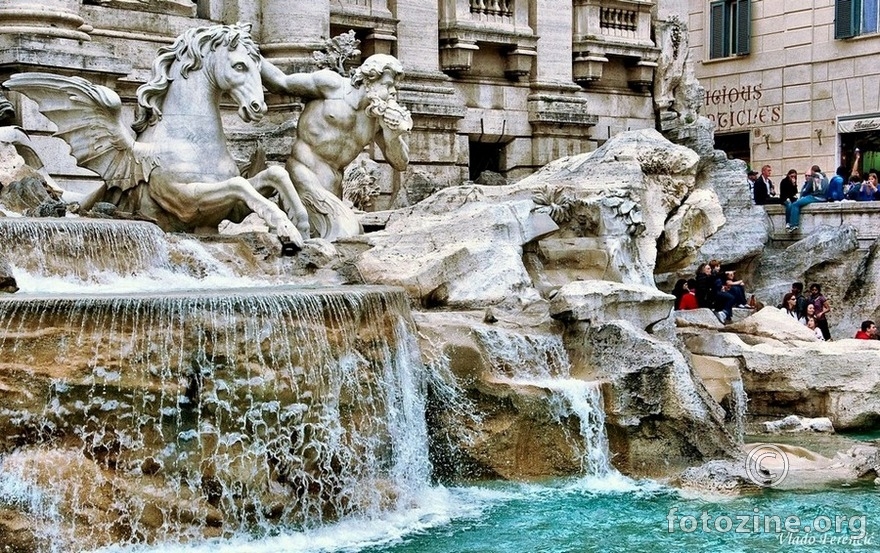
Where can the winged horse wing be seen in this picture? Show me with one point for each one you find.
(89, 119)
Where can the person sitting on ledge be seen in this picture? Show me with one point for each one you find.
(788, 189)
(764, 192)
(679, 290)
(868, 191)
(736, 288)
(789, 307)
(854, 187)
(815, 189)
(811, 324)
(689, 299)
(710, 293)
(868, 331)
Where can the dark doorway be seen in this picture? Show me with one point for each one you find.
(735, 145)
(868, 144)
(484, 157)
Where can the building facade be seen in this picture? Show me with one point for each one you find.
(790, 83)
(503, 85)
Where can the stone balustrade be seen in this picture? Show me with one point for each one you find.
(502, 8)
(863, 216)
(618, 22)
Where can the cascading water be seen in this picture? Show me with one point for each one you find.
(541, 360)
(174, 417)
(739, 403)
(82, 248)
(140, 415)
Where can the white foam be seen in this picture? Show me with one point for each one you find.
(156, 280)
(436, 507)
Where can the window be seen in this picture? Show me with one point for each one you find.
(735, 145)
(869, 16)
(729, 28)
(855, 17)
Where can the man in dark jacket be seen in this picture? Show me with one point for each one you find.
(764, 193)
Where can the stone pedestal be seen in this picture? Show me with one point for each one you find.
(53, 18)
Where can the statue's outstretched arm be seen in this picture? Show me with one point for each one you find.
(304, 85)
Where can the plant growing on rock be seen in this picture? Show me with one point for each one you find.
(556, 202)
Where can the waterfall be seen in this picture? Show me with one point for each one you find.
(541, 360)
(180, 417)
(739, 405)
(82, 248)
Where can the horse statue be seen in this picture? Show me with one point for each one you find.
(173, 164)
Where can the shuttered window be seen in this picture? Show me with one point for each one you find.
(855, 17)
(730, 23)
(846, 18)
(869, 16)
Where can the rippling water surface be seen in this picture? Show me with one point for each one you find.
(612, 514)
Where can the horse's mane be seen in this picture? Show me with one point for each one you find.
(190, 49)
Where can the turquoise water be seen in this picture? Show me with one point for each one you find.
(865, 436)
(588, 515)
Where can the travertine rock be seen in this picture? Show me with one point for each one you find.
(601, 301)
(794, 423)
(785, 370)
(7, 280)
(652, 391)
(490, 418)
(467, 257)
(826, 256)
(464, 245)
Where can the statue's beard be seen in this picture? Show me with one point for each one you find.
(376, 106)
(389, 112)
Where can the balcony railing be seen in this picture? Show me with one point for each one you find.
(503, 8)
(618, 22)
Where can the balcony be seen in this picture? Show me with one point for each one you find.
(465, 24)
(617, 28)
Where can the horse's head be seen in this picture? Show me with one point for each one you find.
(236, 71)
(228, 55)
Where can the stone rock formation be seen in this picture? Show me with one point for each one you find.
(794, 423)
(576, 241)
(785, 370)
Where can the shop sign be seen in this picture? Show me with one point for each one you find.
(732, 108)
(861, 124)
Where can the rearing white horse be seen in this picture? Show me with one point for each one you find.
(177, 169)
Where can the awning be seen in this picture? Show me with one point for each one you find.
(858, 123)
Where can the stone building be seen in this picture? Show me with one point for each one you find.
(502, 85)
(789, 83)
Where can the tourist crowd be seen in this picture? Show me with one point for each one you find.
(713, 288)
(721, 291)
(844, 185)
